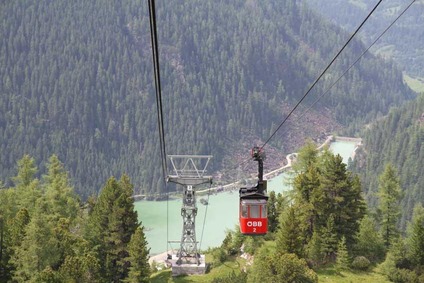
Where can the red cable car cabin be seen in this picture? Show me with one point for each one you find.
(253, 213)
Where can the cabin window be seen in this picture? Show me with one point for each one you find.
(254, 211)
(244, 211)
(264, 211)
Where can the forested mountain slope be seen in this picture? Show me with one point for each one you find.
(403, 42)
(77, 81)
(396, 139)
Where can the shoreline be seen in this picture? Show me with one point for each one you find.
(235, 185)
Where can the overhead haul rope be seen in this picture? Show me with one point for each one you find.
(316, 81)
(155, 53)
(353, 64)
(204, 218)
(338, 79)
(322, 74)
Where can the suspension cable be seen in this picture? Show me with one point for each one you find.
(322, 74)
(353, 64)
(204, 218)
(159, 108)
(336, 81)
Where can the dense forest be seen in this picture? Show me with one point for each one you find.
(325, 224)
(402, 42)
(48, 235)
(77, 82)
(397, 139)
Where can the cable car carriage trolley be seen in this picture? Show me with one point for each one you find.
(253, 202)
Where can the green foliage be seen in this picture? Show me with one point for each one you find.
(111, 225)
(395, 139)
(370, 243)
(342, 261)
(139, 271)
(84, 267)
(329, 206)
(39, 248)
(329, 240)
(361, 263)
(289, 238)
(219, 255)
(306, 157)
(400, 44)
(26, 171)
(314, 249)
(45, 242)
(389, 198)
(402, 275)
(395, 258)
(252, 244)
(233, 241)
(232, 278)
(274, 210)
(58, 192)
(279, 267)
(416, 237)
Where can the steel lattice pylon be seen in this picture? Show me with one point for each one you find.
(189, 172)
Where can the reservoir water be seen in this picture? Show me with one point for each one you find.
(222, 212)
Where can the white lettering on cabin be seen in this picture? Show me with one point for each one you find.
(254, 223)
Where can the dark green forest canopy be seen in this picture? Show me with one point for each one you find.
(402, 42)
(397, 139)
(76, 81)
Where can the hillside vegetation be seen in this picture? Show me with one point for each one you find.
(77, 81)
(397, 139)
(402, 42)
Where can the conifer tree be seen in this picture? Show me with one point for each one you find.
(139, 271)
(306, 156)
(306, 186)
(314, 248)
(273, 212)
(341, 196)
(329, 240)
(26, 171)
(59, 194)
(416, 236)
(289, 235)
(389, 193)
(39, 248)
(110, 227)
(27, 189)
(370, 244)
(342, 261)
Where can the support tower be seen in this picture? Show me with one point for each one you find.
(189, 171)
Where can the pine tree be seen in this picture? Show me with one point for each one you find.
(27, 189)
(342, 261)
(139, 271)
(370, 243)
(272, 212)
(39, 248)
(329, 240)
(110, 227)
(340, 195)
(26, 171)
(289, 235)
(59, 194)
(314, 250)
(308, 197)
(416, 236)
(389, 197)
(306, 156)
